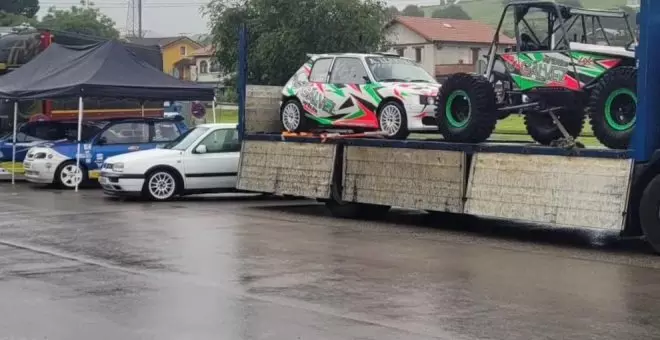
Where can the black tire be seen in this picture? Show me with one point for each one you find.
(287, 125)
(649, 213)
(343, 209)
(543, 130)
(373, 211)
(477, 97)
(67, 167)
(390, 109)
(168, 189)
(614, 91)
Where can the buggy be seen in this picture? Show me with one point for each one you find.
(555, 79)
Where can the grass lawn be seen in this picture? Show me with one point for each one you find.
(224, 116)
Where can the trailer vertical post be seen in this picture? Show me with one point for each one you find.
(647, 128)
(242, 78)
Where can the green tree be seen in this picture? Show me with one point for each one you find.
(10, 19)
(393, 11)
(282, 32)
(451, 12)
(83, 19)
(412, 11)
(26, 8)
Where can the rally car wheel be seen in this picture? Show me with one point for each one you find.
(544, 131)
(160, 185)
(68, 175)
(466, 110)
(612, 107)
(393, 121)
(649, 213)
(292, 116)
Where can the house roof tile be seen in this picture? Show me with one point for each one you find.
(454, 30)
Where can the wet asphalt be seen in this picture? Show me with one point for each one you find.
(79, 266)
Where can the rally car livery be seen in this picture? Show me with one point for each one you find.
(56, 163)
(359, 92)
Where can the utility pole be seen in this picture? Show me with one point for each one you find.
(140, 18)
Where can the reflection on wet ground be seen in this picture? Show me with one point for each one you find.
(78, 266)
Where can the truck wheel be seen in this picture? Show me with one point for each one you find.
(466, 108)
(544, 131)
(612, 107)
(292, 116)
(649, 213)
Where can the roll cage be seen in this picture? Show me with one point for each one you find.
(560, 20)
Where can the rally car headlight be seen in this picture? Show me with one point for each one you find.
(119, 167)
(427, 100)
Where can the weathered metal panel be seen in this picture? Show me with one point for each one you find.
(287, 168)
(555, 190)
(262, 109)
(407, 178)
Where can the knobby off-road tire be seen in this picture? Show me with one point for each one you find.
(612, 106)
(543, 129)
(466, 108)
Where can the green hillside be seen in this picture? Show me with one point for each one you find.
(489, 11)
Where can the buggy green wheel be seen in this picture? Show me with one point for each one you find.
(620, 108)
(458, 109)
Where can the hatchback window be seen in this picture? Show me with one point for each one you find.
(320, 70)
(348, 71)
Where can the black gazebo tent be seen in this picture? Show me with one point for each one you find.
(106, 69)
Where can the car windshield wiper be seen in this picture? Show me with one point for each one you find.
(419, 81)
(388, 80)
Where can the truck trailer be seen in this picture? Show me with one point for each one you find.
(599, 189)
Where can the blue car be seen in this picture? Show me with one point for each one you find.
(30, 135)
(56, 163)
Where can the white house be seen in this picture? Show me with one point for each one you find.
(442, 46)
(204, 68)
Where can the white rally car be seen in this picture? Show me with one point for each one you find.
(360, 92)
(202, 160)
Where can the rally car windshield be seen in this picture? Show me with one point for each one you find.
(185, 140)
(393, 69)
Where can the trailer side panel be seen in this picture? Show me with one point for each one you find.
(408, 178)
(287, 168)
(554, 190)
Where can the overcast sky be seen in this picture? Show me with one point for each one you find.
(170, 17)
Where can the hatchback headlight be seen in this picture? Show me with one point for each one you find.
(119, 167)
(427, 100)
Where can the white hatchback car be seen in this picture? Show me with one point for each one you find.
(202, 160)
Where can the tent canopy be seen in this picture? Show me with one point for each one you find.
(105, 69)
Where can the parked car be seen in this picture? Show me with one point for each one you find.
(360, 92)
(33, 134)
(203, 160)
(56, 163)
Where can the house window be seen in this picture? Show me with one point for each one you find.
(182, 50)
(400, 51)
(203, 67)
(215, 67)
(418, 54)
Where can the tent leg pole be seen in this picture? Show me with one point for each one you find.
(80, 117)
(214, 103)
(13, 147)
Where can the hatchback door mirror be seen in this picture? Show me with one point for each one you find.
(201, 149)
(101, 141)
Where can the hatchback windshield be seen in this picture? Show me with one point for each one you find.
(392, 69)
(186, 139)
